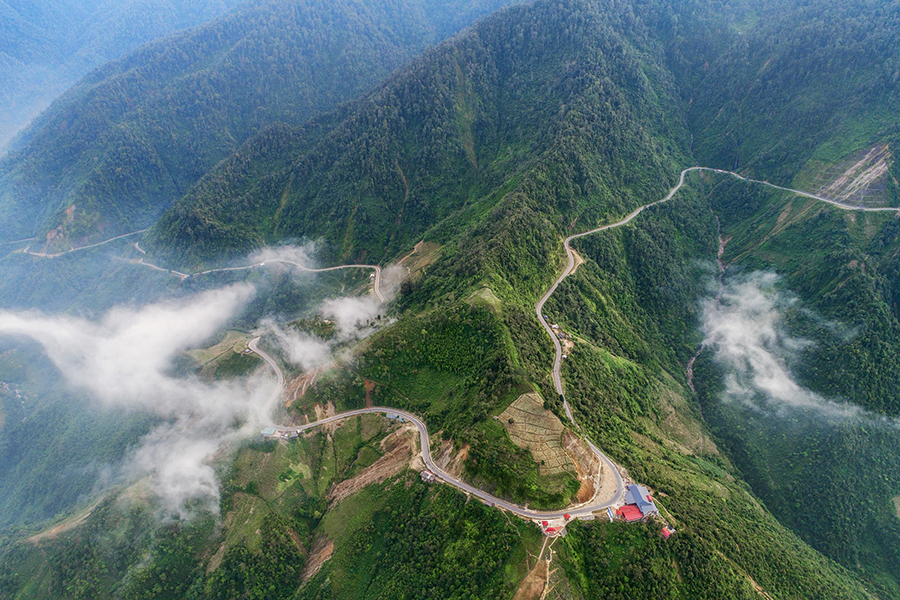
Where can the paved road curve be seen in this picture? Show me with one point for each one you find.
(80, 248)
(379, 292)
(575, 511)
(570, 267)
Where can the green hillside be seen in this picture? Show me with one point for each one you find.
(132, 136)
(541, 121)
(573, 116)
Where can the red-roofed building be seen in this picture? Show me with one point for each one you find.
(630, 513)
(567, 516)
(551, 530)
(544, 523)
(666, 532)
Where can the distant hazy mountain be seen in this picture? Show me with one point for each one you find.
(131, 137)
(47, 45)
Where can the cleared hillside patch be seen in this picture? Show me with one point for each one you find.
(540, 431)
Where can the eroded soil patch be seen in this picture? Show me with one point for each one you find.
(398, 449)
(322, 549)
(860, 181)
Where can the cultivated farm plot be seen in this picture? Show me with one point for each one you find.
(540, 431)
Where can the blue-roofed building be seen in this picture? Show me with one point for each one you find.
(640, 496)
(268, 432)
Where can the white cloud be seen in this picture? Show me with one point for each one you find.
(124, 361)
(745, 330)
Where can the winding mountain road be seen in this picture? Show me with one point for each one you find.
(570, 266)
(574, 511)
(378, 289)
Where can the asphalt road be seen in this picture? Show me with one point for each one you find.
(570, 267)
(378, 291)
(574, 511)
(28, 251)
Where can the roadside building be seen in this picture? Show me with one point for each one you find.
(630, 513)
(427, 476)
(639, 496)
(268, 432)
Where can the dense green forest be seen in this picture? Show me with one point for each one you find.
(132, 136)
(540, 121)
(513, 106)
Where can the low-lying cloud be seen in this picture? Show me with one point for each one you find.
(124, 361)
(744, 327)
(354, 317)
(300, 256)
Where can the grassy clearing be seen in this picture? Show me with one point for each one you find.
(245, 521)
(235, 341)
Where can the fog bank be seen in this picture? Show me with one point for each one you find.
(745, 330)
(124, 362)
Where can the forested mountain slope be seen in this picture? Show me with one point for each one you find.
(545, 120)
(47, 45)
(818, 82)
(131, 137)
(569, 94)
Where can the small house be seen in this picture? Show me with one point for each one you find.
(630, 513)
(666, 532)
(268, 432)
(427, 476)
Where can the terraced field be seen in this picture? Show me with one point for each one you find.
(540, 431)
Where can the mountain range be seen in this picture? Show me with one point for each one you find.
(734, 348)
